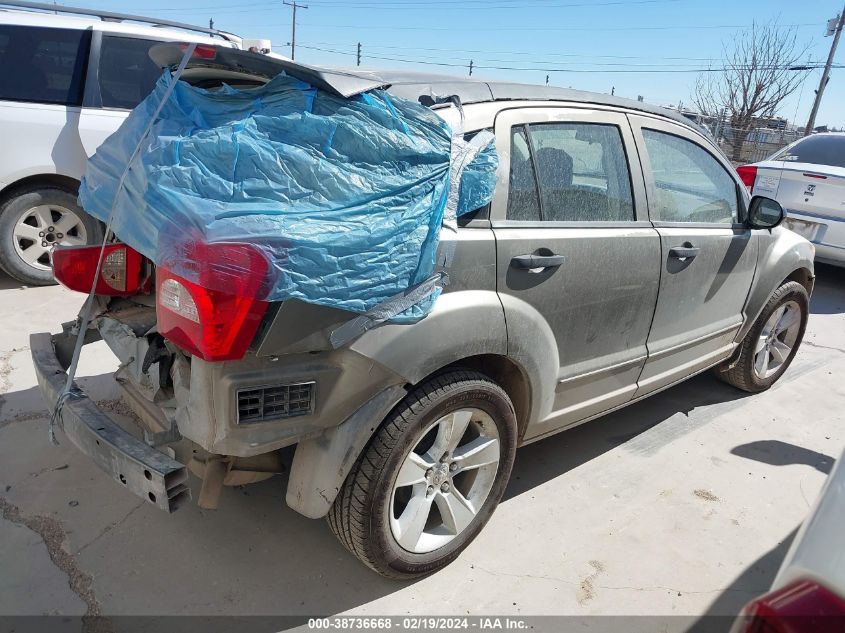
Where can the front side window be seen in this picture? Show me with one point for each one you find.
(127, 74)
(819, 150)
(569, 172)
(42, 65)
(691, 185)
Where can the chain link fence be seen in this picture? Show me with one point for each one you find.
(760, 143)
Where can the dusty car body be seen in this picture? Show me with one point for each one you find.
(599, 274)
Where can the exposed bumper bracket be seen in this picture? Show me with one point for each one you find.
(148, 473)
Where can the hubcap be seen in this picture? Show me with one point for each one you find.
(40, 228)
(444, 480)
(777, 339)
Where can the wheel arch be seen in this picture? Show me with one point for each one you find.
(803, 276)
(67, 183)
(321, 465)
(506, 373)
(783, 256)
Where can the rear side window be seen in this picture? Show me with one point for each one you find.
(818, 150)
(691, 185)
(42, 65)
(127, 74)
(569, 172)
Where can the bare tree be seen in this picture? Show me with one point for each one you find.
(760, 68)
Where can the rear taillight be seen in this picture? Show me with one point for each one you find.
(803, 606)
(121, 273)
(748, 174)
(217, 316)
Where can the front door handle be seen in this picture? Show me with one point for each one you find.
(684, 252)
(527, 262)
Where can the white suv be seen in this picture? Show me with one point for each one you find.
(67, 83)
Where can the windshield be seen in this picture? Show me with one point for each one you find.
(823, 149)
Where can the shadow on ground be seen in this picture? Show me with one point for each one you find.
(638, 427)
(777, 453)
(7, 283)
(754, 581)
(829, 293)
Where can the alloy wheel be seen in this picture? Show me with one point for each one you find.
(40, 228)
(444, 480)
(777, 339)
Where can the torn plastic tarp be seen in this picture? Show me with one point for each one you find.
(344, 197)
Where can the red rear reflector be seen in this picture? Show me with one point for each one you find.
(202, 51)
(748, 174)
(121, 272)
(816, 176)
(216, 318)
(803, 606)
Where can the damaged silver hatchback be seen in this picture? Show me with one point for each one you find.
(620, 255)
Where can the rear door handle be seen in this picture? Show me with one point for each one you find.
(526, 262)
(684, 252)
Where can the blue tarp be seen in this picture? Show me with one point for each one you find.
(344, 197)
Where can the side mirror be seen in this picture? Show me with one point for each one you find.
(764, 213)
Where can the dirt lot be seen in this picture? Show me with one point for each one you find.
(682, 504)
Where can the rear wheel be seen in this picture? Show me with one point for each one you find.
(32, 222)
(772, 341)
(431, 477)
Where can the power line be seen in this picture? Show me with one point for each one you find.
(501, 52)
(416, 6)
(541, 62)
(474, 5)
(678, 27)
(549, 68)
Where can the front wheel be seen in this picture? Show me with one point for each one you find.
(430, 478)
(771, 343)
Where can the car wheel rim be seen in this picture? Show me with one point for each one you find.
(40, 228)
(777, 339)
(444, 480)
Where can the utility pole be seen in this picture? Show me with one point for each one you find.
(811, 122)
(294, 5)
(359, 53)
(470, 68)
(211, 23)
(547, 80)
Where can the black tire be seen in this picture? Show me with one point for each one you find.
(13, 210)
(743, 375)
(360, 514)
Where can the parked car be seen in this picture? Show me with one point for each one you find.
(620, 255)
(808, 179)
(808, 594)
(68, 82)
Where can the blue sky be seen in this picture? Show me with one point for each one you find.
(593, 45)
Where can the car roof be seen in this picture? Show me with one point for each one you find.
(35, 18)
(414, 85)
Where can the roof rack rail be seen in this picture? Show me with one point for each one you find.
(111, 16)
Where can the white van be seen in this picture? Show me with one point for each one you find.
(68, 81)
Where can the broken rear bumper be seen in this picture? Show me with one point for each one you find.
(148, 473)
